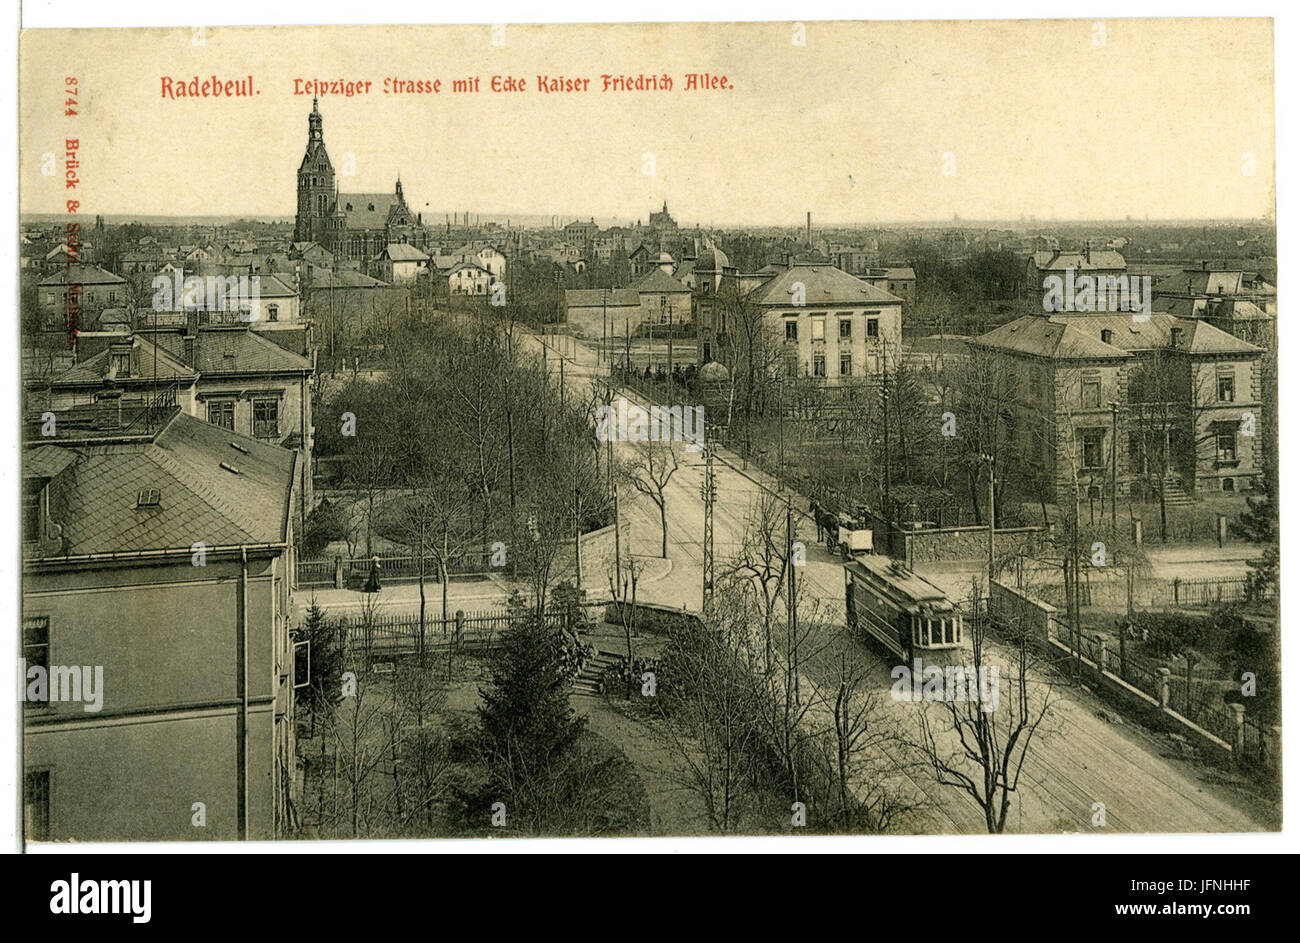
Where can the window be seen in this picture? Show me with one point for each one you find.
(819, 365)
(1229, 485)
(222, 413)
(266, 418)
(36, 805)
(1093, 440)
(1227, 388)
(819, 329)
(792, 330)
(32, 491)
(36, 645)
(1226, 446)
(273, 312)
(846, 365)
(846, 328)
(873, 327)
(1091, 394)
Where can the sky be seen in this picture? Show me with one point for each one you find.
(864, 122)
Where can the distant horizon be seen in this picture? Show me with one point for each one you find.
(607, 222)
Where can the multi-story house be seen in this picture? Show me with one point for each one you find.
(85, 289)
(1087, 261)
(1145, 403)
(232, 377)
(158, 600)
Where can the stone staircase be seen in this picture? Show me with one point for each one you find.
(1176, 495)
(587, 683)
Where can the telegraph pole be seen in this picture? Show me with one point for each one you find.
(1114, 464)
(709, 493)
(989, 459)
(792, 609)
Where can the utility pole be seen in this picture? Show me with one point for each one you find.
(709, 493)
(618, 543)
(792, 610)
(670, 343)
(1114, 464)
(989, 459)
(604, 320)
(577, 540)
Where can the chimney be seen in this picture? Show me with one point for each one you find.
(1087, 251)
(810, 227)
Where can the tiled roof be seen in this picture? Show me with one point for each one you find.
(402, 252)
(82, 275)
(200, 499)
(657, 282)
(822, 285)
(144, 365)
(1073, 337)
(361, 216)
(235, 350)
(1051, 338)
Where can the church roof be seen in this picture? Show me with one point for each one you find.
(367, 210)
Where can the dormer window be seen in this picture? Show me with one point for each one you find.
(120, 360)
(1107, 335)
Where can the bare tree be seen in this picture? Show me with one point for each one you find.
(978, 744)
(650, 471)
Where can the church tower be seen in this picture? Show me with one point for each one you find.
(315, 185)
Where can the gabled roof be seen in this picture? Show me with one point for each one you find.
(822, 285)
(361, 216)
(403, 252)
(82, 275)
(214, 487)
(236, 350)
(657, 282)
(148, 363)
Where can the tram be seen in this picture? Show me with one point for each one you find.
(902, 612)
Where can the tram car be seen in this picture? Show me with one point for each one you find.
(902, 612)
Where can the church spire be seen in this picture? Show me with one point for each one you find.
(315, 134)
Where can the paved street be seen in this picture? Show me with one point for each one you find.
(1086, 759)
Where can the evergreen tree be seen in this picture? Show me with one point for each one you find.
(529, 732)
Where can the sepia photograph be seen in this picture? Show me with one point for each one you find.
(768, 431)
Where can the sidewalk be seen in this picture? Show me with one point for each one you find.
(469, 595)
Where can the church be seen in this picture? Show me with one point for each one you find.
(355, 227)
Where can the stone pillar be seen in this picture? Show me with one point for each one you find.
(1238, 731)
(1102, 660)
(1137, 533)
(1164, 688)
(338, 572)
(1221, 528)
